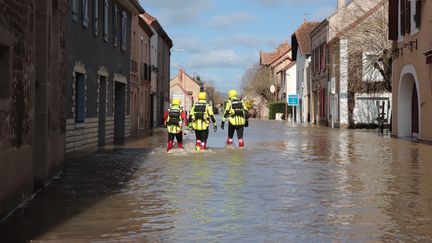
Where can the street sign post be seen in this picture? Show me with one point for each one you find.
(293, 100)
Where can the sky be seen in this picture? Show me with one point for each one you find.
(220, 39)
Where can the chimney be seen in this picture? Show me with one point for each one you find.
(181, 74)
(341, 4)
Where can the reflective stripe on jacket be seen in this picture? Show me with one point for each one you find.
(200, 116)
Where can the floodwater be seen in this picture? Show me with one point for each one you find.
(291, 183)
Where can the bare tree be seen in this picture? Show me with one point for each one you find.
(365, 27)
(257, 80)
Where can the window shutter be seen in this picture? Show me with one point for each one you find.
(408, 16)
(149, 72)
(402, 17)
(115, 25)
(124, 31)
(80, 98)
(393, 20)
(96, 17)
(85, 15)
(313, 61)
(418, 14)
(75, 10)
(322, 68)
(106, 20)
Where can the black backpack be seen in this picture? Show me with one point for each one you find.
(237, 106)
(174, 117)
(199, 110)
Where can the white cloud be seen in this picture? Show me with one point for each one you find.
(226, 21)
(224, 58)
(190, 44)
(178, 12)
(238, 39)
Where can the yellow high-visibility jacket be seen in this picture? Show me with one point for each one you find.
(200, 116)
(236, 112)
(174, 118)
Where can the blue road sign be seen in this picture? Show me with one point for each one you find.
(293, 100)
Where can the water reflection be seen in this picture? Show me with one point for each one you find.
(291, 183)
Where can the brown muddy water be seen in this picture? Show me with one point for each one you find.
(291, 183)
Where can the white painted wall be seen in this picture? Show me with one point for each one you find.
(343, 84)
(301, 86)
(366, 110)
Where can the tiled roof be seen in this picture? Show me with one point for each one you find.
(302, 35)
(288, 66)
(267, 58)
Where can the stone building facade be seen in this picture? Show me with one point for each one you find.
(32, 88)
(140, 76)
(319, 73)
(160, 59)
(98, 72)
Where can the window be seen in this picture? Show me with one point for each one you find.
(124, 31)
(79, 98)
(407, 16)
(75, 10)
(145, 70)
(5, 65)
(84, 13)
(115, 25)
(96, 17)
(321, 48)
(417, 16)
(106, 20)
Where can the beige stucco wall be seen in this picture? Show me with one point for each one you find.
(414, 62)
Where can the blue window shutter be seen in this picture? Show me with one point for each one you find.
(75, 10)
(115, 25)
(96, 17)
(80, 98)
(85, 15)
(124, 31)
(106, 20)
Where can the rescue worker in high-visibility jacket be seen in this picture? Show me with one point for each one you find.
(200, 116)
(237, 114)
(174, 119)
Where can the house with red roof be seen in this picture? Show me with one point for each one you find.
(301, 55)
(185, 88)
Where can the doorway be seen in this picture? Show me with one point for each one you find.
(414, 112)
(102, 110)
(119, 113)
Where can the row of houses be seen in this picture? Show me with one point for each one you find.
(187, 87)
(367, 62)
(76, 74)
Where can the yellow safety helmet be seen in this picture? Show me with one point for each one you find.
(232, 93)
(202, 96)
(175, 101)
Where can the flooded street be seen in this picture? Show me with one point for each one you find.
(291, 183)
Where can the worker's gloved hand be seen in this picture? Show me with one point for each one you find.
(222, 125)
(215, 128)
(247, 123)
(190, 127)
(165, 125)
